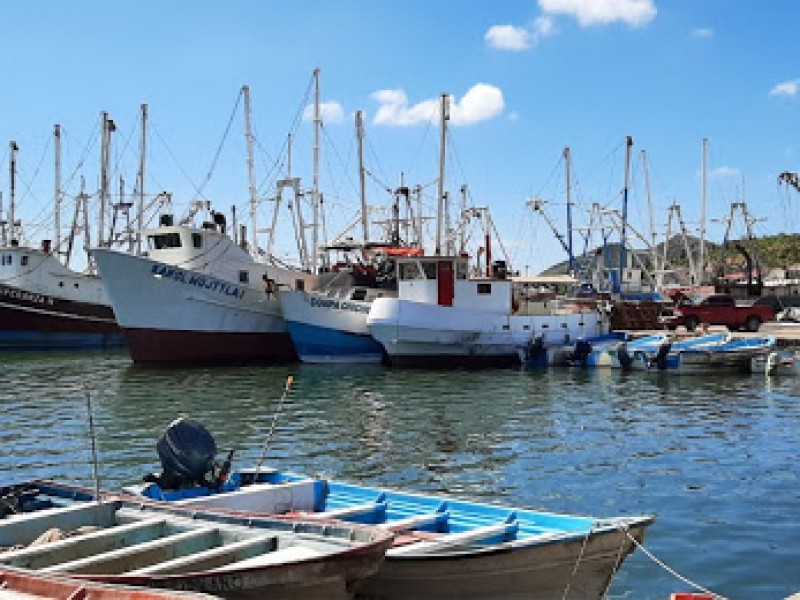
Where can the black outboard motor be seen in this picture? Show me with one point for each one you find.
(661, 355)
(624, 357)
(536, 353)
(186, 450)
(580, 355)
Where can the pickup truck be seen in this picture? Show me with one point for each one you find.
(720, 309)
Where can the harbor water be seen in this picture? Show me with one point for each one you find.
(715, 459)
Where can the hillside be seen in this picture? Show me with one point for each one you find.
(772, 251)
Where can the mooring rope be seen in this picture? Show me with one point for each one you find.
(670, 570)
(577, 562)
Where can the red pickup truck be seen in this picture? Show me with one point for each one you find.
(721, 309)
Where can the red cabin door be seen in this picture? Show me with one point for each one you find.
(446, 282)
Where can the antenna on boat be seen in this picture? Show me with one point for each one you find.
(268, 439)
(93, 437)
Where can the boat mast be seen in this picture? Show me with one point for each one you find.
(462, 232)
(105, 154)
(440, 201)
(315, 191)
(653, 250)
(58, 195)
(361, 174)
(570, 253)
(12, 165)
(140, 183)
(623, 232)
(701, 266)
(251, 175)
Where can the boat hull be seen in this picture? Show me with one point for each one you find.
(325, 329)
(37, 321)
(417, 334)
(541, 572)
(174, 315)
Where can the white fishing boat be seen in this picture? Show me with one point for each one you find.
(442, 317)
(58, 529)
(44, 304)
(198, 297)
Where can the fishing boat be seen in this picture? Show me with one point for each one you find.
(445, 547)
(443, 317)
(730, 356)
(60, 529)
(29, 585)
(776, 362)
(198, 297)
(329, 323)
(44, 304)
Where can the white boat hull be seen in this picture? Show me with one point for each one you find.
(425, 334)
(171, 314)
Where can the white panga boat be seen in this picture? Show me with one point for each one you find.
(59, 529)
(198, 297)
(441, 317)
(445, 547)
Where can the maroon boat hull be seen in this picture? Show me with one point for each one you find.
(161, 346)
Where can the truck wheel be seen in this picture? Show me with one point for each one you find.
(691, 323)
(752, 323)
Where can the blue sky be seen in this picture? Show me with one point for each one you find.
(527, 79)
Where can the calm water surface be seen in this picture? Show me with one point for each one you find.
(715, 460)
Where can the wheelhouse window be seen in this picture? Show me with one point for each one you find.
(197, 240)
(461, 269)
(484, 288)
(359, 294)
(162, 241)
(244, 276)
(24, 260)
(409, 270)
(429, 267)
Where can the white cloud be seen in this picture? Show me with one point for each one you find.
(787, 88)
(724, 173)
(330, 112)
(508, 37)
(517, 39)
(702, 32)
(602, 12)
(481, 103)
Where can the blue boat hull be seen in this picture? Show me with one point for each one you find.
(324, 344)
(58, 340)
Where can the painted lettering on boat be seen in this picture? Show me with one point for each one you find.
(338, 304)
(26, 296)
(201, 281)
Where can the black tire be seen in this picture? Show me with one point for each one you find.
(753, 323)
(691, 323)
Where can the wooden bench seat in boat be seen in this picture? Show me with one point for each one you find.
(415, 521)
(282, 556)
(141, 555)
(75, 547)
(213, 558)
(455, 540)
(350, 511)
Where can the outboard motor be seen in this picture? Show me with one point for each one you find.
(624, 357)
(580, 355)
(536, 353)
(661, 355)
(186, 450)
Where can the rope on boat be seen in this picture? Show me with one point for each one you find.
(577, 563)
(268, 439)
(618, 562)
(669, 569)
